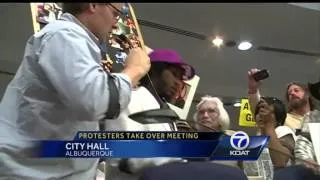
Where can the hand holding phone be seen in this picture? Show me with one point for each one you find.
(260, 75)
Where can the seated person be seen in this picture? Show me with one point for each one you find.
(167, 73)
(211, 115)
(270, 115)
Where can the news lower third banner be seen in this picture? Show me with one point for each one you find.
(214, 146)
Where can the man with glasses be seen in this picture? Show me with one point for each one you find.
(59, 89)
(118, 11)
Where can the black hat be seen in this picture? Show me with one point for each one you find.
(314, 89)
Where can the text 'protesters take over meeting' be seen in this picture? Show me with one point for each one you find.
(137, 135)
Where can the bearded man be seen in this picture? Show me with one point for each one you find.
(299, 103)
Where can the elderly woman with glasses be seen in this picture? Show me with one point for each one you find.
(211, 115)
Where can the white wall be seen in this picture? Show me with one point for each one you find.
(14, 33)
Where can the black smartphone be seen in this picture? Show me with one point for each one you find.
(261, 75)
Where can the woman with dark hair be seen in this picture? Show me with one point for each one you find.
(270, 114)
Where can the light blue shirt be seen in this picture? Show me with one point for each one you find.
(58, 90)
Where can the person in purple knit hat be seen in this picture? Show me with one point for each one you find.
(167, 72)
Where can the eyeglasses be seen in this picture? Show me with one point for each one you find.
(119, 12)
(209, 111)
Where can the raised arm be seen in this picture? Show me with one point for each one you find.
(253, 90)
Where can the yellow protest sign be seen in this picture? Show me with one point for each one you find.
(245, 117)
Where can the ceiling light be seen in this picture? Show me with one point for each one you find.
(245, 45)
(237, 104)
(217, 41)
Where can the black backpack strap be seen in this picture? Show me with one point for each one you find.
(114, 105)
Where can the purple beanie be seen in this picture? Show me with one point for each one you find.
(172, 57)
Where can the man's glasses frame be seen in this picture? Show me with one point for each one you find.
(121, 13)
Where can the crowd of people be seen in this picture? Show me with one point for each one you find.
(60, 89)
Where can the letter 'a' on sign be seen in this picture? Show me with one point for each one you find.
(245, 116)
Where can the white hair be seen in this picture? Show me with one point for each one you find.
(224, 119)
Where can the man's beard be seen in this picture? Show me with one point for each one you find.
(296, 104)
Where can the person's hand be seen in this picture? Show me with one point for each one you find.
(106, 65)
(137, 64)
(265, 117)
(253, 85)
(139, 60)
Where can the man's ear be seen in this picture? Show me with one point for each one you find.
(92, 7)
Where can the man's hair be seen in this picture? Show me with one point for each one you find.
(155, 83)
(224, 119)
(155, 72)
(279, 108)
(74, 8)
(312, 101)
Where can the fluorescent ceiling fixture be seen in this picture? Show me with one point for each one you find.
(217, 41)
(245, 45)
(313, 6)
(237, 104)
